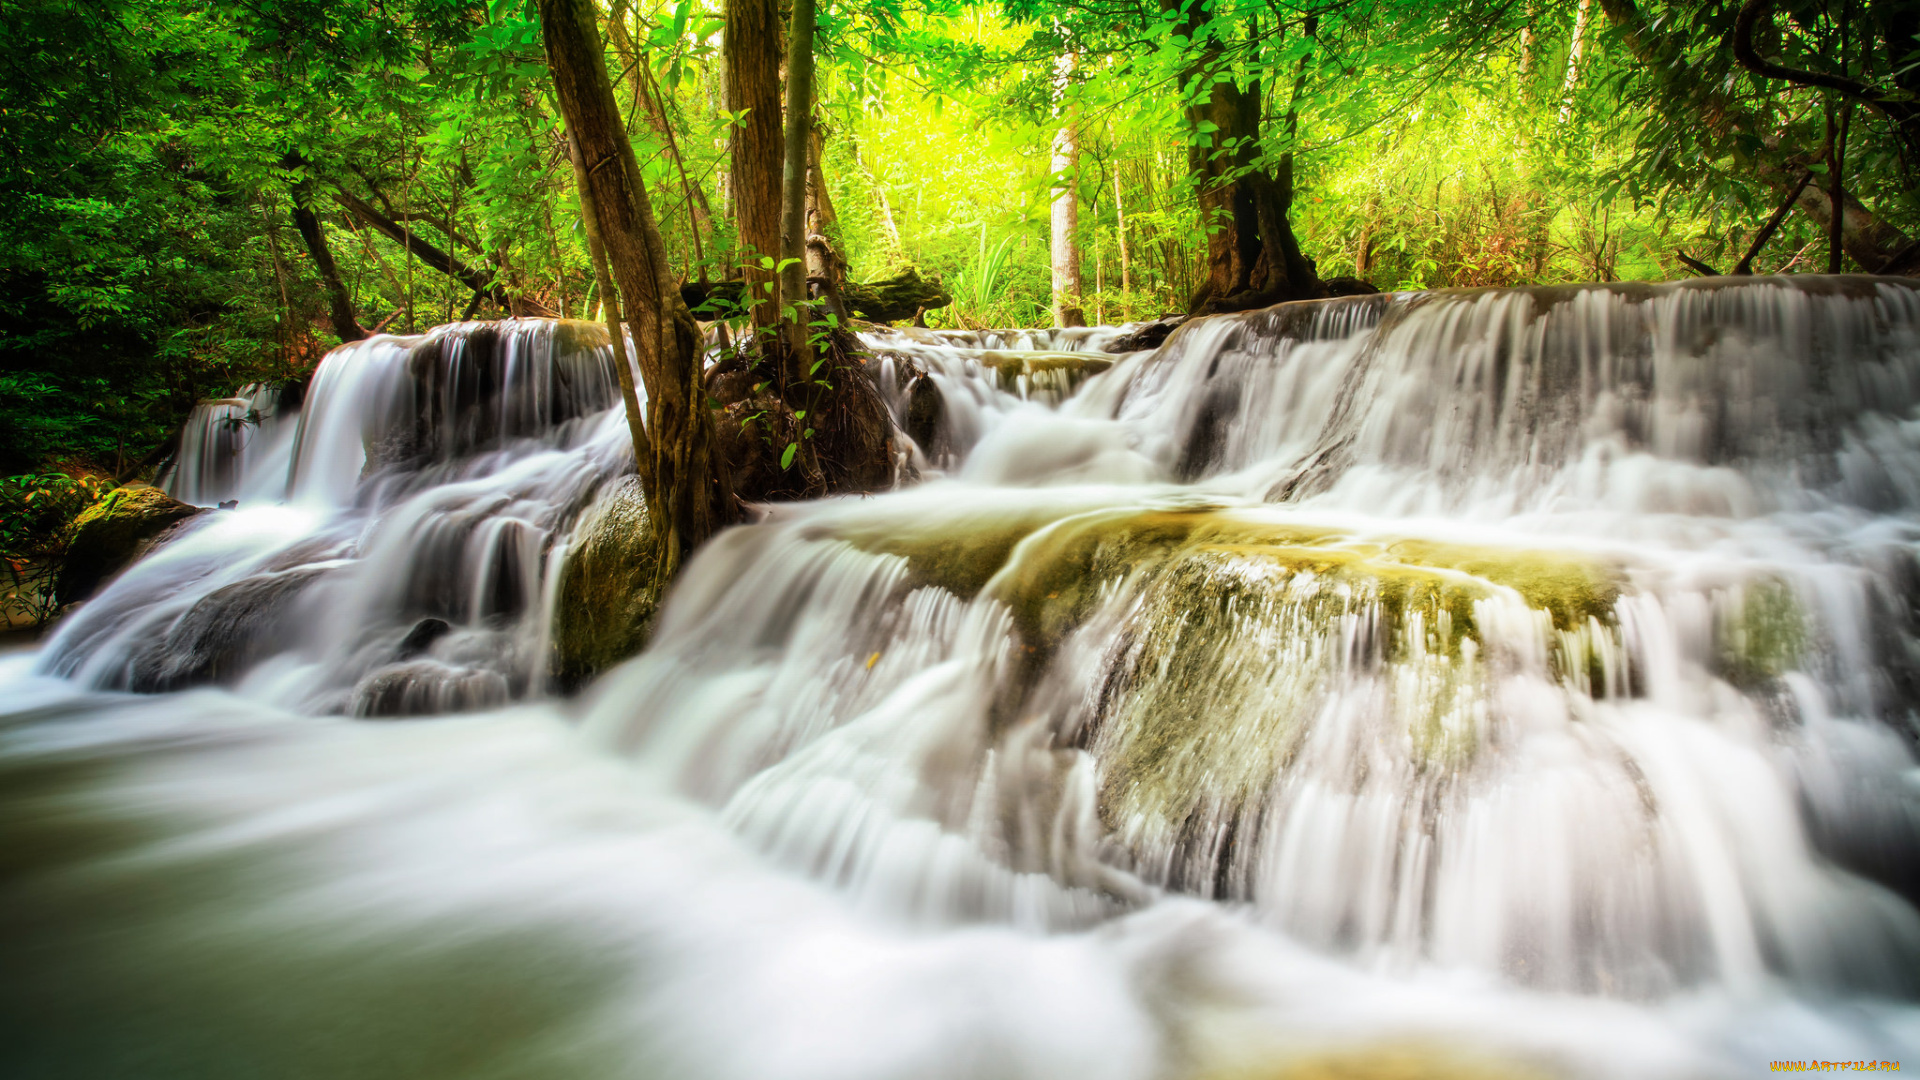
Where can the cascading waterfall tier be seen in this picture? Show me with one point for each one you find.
(1360, 669)
(400, 568)
(233, 448)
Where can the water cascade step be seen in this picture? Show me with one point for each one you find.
(1525, 680)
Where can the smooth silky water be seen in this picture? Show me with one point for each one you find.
(1501, 683)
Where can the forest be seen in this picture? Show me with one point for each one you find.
(203, 195)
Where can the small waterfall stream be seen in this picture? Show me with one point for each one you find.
(1494, 683)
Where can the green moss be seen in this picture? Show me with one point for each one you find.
(1762, 632)
(113, 532)
(1571, 588)
(1069, 367)
(960, 552)
(607, 593)
(578, 335)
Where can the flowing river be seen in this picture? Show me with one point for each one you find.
(1506, 683)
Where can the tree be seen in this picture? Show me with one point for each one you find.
(752, 49)
(688, 498)
(1066, 207)
(794, 300)
(1253, 258)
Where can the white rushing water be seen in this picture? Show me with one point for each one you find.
(1503, 683)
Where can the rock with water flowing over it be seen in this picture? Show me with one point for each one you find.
(608, 593)
(113, 532)
(226, 633)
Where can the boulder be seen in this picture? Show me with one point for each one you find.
(223, 636)
(113, 532)
(607, 592)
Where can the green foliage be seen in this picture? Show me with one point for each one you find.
(152, 150)
(36, 510)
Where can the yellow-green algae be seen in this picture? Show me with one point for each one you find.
(1394, 1062)
(1242, 626)
(1066, 368)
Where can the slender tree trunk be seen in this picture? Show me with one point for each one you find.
(610, 303)
(1120, 232)
(434, 257)
(1065, 165)
(339, 303)
(688, 497)
(825, 263)
(1574, 52)
(649, 102)
(751, 45)
(793, 202)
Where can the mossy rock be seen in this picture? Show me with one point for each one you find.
(1061, 370)
(116, 530)
(1761, 633)
(608, 594)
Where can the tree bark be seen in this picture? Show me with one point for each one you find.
(1120, 232)
(793, 201)
(610, 303)
(751, 46)
(1065, 164)
(650, 103)
(825, 263)
(1253, 259)
(688, 499)
(339, 303)
(1574, 51)
(478, 280)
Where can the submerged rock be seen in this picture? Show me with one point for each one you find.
(225, 634)
(427, 688)
(608, 593)
(113, 532)
(421, 638)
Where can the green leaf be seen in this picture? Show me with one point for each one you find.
(786, 459)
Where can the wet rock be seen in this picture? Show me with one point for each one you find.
(427, 688)
(926, 407)
(1349, 286)
(1149, 336)
(109, 535)
(224, 635)
(1060, 372)
(607, 592)
(421, 638)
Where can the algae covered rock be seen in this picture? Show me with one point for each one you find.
(607, 592)
(113, 532)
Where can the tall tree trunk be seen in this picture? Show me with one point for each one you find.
(1065, 249)
(793, 201)
(688, 497)
(650, 103)
(1120, 231)
(1252, 258)
(751, 45)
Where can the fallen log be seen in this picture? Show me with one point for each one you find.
(895, 299)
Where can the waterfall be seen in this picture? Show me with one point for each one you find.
(1525, 680)
(232, 448)
(400, 569)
